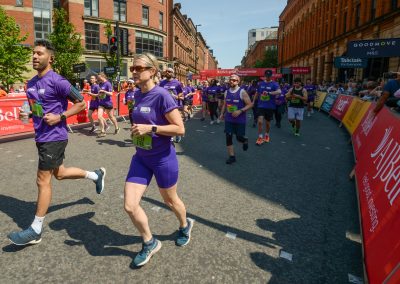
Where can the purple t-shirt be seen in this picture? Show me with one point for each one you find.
(187, 90)
(174, 87)
(49, 94)
(130, 98)
(265, 99)
(311, 89)
(106, 101)
(150, 108)
(94, 102)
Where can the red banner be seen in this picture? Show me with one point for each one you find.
(361, 136)
(241, 72)
(341, 106)
(378, 180)
(301, 70)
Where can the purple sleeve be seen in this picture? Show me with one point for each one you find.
(179, 88)
(108, 87)
(168, 104)
(96, 89)
(62, 87)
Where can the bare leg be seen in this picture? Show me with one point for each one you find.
(69, 173)
(100, 112)
(172, 199)
(43, 182)
(111, 115)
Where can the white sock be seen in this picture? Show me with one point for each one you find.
(92, 176)
(260, 135)
(266, 134)
(37, 224)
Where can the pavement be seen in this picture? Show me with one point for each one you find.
(285, 212)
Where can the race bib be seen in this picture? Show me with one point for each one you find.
(210, 97)
(130, 104)
(143, 141)
(232, 108)
(265, 97)
(37, 109)
(295, 101)
(102, 96)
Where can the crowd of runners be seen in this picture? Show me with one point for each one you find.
(158, 106)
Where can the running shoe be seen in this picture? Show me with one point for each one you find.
(308, 114)
(218, 121)
(297, 134)
(117, 130)
(266, 139)
(230, 160)
(202, 119)
(101, 134)
(101, 173)
(259, 141)
(184, 234)
(146, 253)
(93, 129)
(211, 122)
(178, 139)
(25, 237)
(107, 127)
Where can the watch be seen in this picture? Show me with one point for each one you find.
(154, 129)
(63, 117)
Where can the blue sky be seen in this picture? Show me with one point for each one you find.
(225, 23)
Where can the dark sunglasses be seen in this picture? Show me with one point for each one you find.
(233, 80)
(139, 69)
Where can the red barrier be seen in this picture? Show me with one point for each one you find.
(341, 106)
(378, 182)
(197, 98)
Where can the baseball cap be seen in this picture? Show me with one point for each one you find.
(268, 73)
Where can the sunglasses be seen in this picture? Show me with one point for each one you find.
(169, 71)
(139, 69)
(233, 80)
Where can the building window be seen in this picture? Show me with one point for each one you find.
(92, 8)
(145, 15)
(344, 22)
(147, 42)
(358, 15)
(161, 21)
(120, 10)
(42, 18)
(254, 34)
(373, 9)
(56, 4)
(92, 36)
(97, 65)
(19, 3)
(394, 4)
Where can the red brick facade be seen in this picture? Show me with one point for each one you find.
(257, 52)
(313, 32)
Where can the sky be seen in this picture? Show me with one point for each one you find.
(225, 23)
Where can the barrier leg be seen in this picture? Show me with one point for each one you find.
(69, 129)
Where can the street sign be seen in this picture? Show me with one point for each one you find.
(286, 70)
(389, 47)
(109, 70)
(350, 62)
(79, 68)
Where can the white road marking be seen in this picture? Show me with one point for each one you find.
(230, 235)
(156, 208)
(286, 255)
(199, 130)
(327, 148)
(19, 156)
(283, 142)
(354, 279)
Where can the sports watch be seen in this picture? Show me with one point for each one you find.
(154, 129)
(63, 117)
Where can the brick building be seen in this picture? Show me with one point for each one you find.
(257, 52)
(312, 33)
(147, 23)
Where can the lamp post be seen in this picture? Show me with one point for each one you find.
(282, 36)
(195, 48)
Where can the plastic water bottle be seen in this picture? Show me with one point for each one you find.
(26, 109)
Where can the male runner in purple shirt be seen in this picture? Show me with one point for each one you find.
(48, 94)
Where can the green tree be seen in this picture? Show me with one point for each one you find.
(270, 59)
(67, 43)
(13, 55)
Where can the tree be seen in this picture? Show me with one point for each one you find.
(67, 43)
(270, 59)
(13, 55)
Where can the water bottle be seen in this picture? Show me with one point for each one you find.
(25, 116)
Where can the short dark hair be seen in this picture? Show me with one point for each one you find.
(297, 80)
(45, 43)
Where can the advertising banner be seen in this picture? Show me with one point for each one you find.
(301, 70)
(389, 47)
(329, 102)
(378, 181)
(355, 113)
(361, 135)
(340, 107)
(241, 72)
(319, 99)
(350, 62)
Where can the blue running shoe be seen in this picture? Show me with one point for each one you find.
(25, 237)
(146, 253)
(101, 173)
(184, 234)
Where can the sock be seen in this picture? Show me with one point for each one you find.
(266, 134)
(260, 135)
(149, 242)
(37, 224)
(92, 176)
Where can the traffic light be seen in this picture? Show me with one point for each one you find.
(113, 45)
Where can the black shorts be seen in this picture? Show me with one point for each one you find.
(267, 113)
(239, 129)
(106, 107)
(51, 154)
(187, 102)
(93, 108)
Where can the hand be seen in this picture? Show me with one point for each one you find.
(140, 129)
(236, 113)
(51, 118)
(23, 114)
(221, 117)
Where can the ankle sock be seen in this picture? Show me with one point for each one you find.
(37, 224)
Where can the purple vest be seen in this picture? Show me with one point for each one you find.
(233, 103)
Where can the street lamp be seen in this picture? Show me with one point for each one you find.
(195, 48)
(282, 38)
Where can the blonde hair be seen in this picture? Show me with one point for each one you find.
(149, 59)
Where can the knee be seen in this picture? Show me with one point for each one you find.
(131, 208)
(59, 175)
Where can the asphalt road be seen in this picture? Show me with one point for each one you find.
(285, 212)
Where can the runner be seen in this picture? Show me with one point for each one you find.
(94, 101)
(48, 94)
(297, 98)
(204, 99)
(212, 93)
(130, 97)
(311, 93)
(266, 92)
(105, 105)
(188, 92)
(251, 90)
(174, 87)
(156, 119)
(236, 103)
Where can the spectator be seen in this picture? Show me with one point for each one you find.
(3, 93)
(391, 93)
